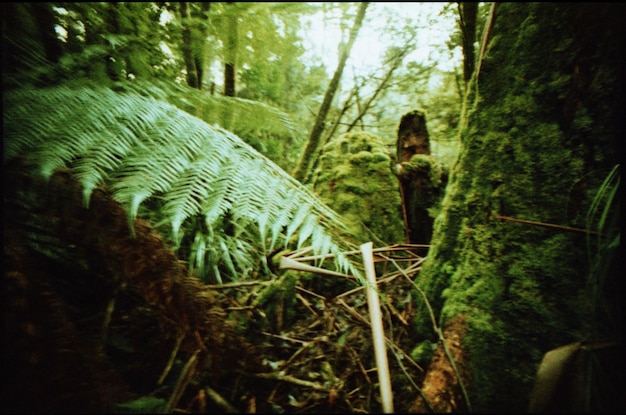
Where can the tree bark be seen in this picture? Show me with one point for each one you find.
(190, 62)
(468, 13)
(194, 36)
(232, 43)
(302, 171)
(203, 14)
(421, 180)
(44, 17)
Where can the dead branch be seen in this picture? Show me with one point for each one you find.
(290, 379)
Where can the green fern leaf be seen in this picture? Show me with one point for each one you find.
(145, 149)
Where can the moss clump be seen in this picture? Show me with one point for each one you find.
(355, 179)
(423, 352)
(278, 300)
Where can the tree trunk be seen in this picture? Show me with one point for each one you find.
(468, 13)
(21, 21)
(203, 14)
(303, 169)
(190, 62)
(194, 36)
(232, 44)
(546, 119)
(44, 17)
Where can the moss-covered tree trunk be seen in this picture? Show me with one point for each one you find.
(542, 134)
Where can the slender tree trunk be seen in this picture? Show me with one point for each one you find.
(203, 14)
(44, 17)
(232, 43)
(190, 63)
(486, 36)
(308, 157)
(345, 107)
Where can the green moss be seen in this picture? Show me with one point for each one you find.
(362, 157)
(278, 300)
(537, 131)
(355, 179)
(423, 352)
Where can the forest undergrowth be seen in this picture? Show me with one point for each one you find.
(99, 321)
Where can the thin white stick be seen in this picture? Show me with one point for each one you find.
(377, 329)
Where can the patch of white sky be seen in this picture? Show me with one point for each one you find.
(321, 37)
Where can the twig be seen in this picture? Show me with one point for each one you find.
(307, 304)
(287, 378)
(200, 341)
(362, 319)
(303, 251)
(413, 382)
(236, 284)
(545, 225)
(352, 312)
(304, 290)
(395, 312)
(288, 263)
(183, 381)
(361, 287)
(170, 362)
(293, 356)
(396, 247)
(220, 401)
(289, 339)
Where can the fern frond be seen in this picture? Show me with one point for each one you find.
(248, 116)
(144, 148)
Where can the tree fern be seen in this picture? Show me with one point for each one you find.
(148, 149)
(251, 116)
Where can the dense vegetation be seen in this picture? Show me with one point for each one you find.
(159, 255)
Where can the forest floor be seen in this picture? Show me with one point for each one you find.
(98, 321)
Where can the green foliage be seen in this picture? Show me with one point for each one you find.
(603, 217)
(143, 405)
(151, 153)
